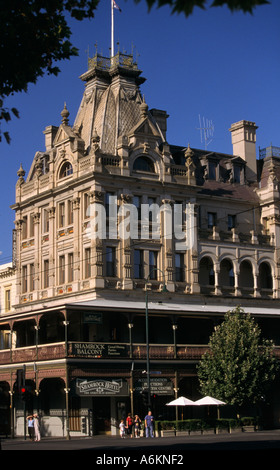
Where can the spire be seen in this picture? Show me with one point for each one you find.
(65, 114)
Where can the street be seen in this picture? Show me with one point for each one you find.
(108, 450)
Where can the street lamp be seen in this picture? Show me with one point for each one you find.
(163, 289)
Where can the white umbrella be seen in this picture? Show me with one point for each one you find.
(209, 401)
(181, 401)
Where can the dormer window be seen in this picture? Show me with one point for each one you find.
(212, 170)
(236, 174)
(66, 170)
(144, 164)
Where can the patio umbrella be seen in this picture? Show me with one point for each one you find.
(210, 401)
(181, 401)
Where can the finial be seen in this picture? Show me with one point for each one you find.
(95, 137)
(21, 172)
(144, 108)
(65, 114)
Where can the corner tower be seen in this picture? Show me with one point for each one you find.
(110, 106)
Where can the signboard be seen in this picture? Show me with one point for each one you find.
(93, 317)
(101, 387)
(98, 350)
(159, 386)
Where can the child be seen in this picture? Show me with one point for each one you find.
(122, 429)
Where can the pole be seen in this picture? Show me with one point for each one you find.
(112, 29)
(148, 350)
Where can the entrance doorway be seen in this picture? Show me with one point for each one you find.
(101, 408)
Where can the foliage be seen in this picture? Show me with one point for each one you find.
(239, 366)
(35, 35)
(187, 6)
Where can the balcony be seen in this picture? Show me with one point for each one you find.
(112, 351)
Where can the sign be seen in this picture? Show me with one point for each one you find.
(93, 317)
(98, 350)
(101, 387)
(159, 386)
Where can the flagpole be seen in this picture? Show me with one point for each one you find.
(112, 29)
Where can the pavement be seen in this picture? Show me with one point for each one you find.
(112, 450)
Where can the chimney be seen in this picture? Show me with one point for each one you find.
(243, 138)
(50, 133)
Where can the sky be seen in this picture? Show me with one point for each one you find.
(216, 66)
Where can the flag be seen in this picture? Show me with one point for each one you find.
(116, 6)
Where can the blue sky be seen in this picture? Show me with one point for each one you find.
(215, 64)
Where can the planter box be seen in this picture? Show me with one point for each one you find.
(209, 431)
(167, 433)
(248, 428)
(196, 433)
(222, 431)
(182, 433)
(234, 430)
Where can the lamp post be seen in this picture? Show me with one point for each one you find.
(164, 289)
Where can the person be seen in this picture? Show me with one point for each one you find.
(129, 424)
(37, 428)
(149, 424)
(122, 429)
(30, 427)
(137, 426)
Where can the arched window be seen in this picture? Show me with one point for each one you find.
(246, 278)
(265, 277)
(226, 273)
(66, 170)
(144, 164)
(206, 275)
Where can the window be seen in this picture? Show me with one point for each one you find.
(111, 261)
(179, 267)
(212, 170)
(7, 300)
(66, 170)
(61, 269)
(32, 277)
(138, 264)
(70, 212)
(86, 206)
(87, 263)
(231, 221)
(236, 174)
(24, 279)
(70, 267)
(137, 203)
(212, 219)
(46, 273)
(144, 164)
(153, 260)
(152, 211)
(46, 221)
(24, 226)
(31, 225)
(61, 214)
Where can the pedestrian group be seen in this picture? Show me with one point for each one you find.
(132, 426)
(33, 425)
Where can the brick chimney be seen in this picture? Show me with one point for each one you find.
(243, 138)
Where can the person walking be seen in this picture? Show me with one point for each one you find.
(137, 426)
(149, 424)
(122, 429)
(30, 425)
(129, 424)
(37, 428)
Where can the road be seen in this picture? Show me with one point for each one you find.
(157, 450)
